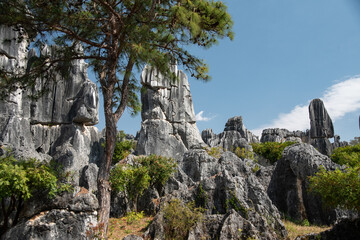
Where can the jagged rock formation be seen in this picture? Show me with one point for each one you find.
(283, 135)
(235, 135)
(232, 196)
(67, 217)
(289, 182)
(58, 125)
(321, 127)
(168, 125)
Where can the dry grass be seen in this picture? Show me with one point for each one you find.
(118, 228)
(295, 230)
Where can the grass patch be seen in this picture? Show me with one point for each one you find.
(120, 227)
(295, 230)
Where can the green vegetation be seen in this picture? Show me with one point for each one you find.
(243, 153)
(180, 219)
(201, 197)
(133, 216)
(215, 151)
(349, 155)
(338, 188)
(235, 204)
(133, 180)
(123, 147)
(270, 150)
(21, 180)
(144, 172)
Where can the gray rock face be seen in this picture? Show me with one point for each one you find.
(289, 182)
(168, 120)
(321, 125)
(283, 135)
(70, 217)
(235, 135)
(231, 194)
(58, 125)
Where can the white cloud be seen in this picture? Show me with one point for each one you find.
(199, 117)
(339, 99)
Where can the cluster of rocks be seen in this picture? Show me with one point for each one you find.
(242, 198)
(321, 129)
(58, 126)
(234, 135)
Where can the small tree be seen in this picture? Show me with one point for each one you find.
(147, 171)
(338, 188)
(20, 181)
(270, 150)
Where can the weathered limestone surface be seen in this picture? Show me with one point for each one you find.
(321, 125)
(283, 135)
(68, 217)
(235, 135)
(168, 125)
(289, 182)
(59, 125)
(234, 198)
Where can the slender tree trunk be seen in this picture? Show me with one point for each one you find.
(104, 190)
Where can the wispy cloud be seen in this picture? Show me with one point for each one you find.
(199, 117)
(339, 99)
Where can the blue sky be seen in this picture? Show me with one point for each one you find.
(285, 53)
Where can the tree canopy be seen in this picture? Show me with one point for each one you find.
(116, 37)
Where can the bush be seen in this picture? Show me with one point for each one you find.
(349, 155)
(180, 219)
(144, 172)
(21, 180)
(123, 147)
(159, 169)
(132, 180)
(243, 153)
(338, 188)
(214, 151)
(271, 150)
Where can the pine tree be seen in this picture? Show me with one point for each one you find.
(117, 37)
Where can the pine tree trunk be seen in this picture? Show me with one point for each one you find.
(104, 190)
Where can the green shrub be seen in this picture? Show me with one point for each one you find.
(132, 180)
(133, 216)
(338, 188)
(123, 147)
(179, 219)
(159, 168)
(144, 172)
(349, 155)
(243, 153)
(201, 197)
(234, 203)
(215, 151)
(21, 180)
(270, 150)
